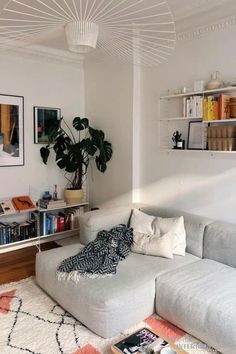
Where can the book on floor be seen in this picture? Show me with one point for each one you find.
(143, 340)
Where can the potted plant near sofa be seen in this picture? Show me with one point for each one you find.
(73, 152)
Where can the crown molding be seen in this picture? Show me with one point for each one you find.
(47, 54)
(199, 32)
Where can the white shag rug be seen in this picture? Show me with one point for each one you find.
(31, 322)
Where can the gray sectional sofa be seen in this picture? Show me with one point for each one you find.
(196, 293)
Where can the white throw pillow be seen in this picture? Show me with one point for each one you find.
(153, 245)
(175, 226)
(142, 222)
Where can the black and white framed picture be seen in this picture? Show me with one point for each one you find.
(46, 121)
(195, 136)
(11, 130)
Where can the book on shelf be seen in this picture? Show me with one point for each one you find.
(193, 107)
(224, 108)
(23, 203)
(7, 207)
(18, 231)
(144, 340)
(50, 204)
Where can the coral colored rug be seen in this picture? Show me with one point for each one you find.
(30, 322)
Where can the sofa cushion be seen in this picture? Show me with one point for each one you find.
(153, 245)
(142, 222)
(174, 226)
(94, 221)
(220, 243)
(200, 299)
(194, 226)
(109, 305)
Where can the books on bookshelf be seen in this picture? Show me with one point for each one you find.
(193, 107)
(216, 107)
(18, 231)
(143, 340)
(23, 203)
(52, 222)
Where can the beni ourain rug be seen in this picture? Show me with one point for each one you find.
(31, 322)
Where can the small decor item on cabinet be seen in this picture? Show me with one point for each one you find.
(23, 203)
(215, 82)
(54, 197)
(178, 142)
(74, 151)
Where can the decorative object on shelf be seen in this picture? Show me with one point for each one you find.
(195, 141)
(139, 32)
(47, 196)
(11, 130)
(73, 154)
(215, 82)
(179, 143)
(23, 203)
(198, 85)
(7, 207)
(46, 121)
(55, 194)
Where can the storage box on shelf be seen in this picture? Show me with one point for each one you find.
(38, 226)
(210, 107)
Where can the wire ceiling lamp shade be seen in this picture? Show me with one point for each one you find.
(141, 32)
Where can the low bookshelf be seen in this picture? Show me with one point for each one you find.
(34, 226)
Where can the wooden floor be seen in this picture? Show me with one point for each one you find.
(20, 264)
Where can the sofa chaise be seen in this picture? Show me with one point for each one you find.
(197, 292)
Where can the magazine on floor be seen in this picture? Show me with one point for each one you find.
(142, 341)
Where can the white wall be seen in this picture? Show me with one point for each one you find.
(191, 181)
(42, 83)
(109, 106)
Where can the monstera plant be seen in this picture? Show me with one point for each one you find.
(73, 152)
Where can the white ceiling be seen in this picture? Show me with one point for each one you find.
(187, 14)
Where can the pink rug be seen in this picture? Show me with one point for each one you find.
(30, 322)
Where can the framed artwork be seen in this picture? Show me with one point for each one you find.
(46, 120)
(195, 136)
(11, 130)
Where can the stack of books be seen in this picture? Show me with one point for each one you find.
(216, 107)
(51, 204)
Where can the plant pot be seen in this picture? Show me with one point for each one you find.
(73, 196)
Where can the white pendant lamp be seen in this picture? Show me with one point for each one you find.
(137, 31)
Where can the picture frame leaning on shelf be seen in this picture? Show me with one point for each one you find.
(196, 136)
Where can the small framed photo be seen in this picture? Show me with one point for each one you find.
(46, 121)
(11, 130)
(195, 136)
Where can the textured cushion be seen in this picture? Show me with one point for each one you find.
(94, 221)
(142, 222)
(110, 305)
(153, 245)
(174, 227)
(220, 243)
(194, 226)
(200, 299)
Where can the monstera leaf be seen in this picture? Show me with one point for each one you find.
(45, 152)
(80, 123)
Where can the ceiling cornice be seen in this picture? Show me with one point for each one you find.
(39, 52)
(198, 32)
